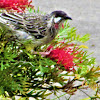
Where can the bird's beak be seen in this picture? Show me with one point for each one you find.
(67, 17)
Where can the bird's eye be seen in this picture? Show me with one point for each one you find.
(57, 19)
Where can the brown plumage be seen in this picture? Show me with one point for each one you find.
(39, 29)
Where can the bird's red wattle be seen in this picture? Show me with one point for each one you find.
(63, 26)
(56, 26)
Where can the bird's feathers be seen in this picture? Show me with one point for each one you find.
(39, 29)
(32, 25)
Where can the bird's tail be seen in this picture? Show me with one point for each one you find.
(5, 22)
(10, 17)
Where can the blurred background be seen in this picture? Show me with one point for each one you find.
(86, 19)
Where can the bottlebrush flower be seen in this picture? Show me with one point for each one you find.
(18, 5)
(64, 55)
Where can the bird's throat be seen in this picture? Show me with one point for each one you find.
(56, 25)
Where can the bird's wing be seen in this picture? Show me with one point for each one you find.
(35, 25)
(11, 18)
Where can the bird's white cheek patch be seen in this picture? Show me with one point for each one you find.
(56, 20)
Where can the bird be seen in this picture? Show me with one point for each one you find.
(33, 29)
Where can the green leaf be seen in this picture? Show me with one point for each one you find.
(47, 61)
(86, 98)
(69, 34)
(1, 90)
(84, 38)
(2, 66)
(43, 69)
(30, 9)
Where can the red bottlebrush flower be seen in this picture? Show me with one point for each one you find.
(18, 5)
(62, 56)
(67, 55)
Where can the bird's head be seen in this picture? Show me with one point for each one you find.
(58, 17)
